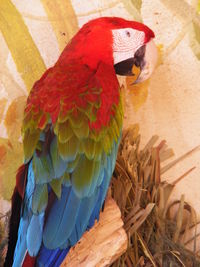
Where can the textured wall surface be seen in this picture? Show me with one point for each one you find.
(34, 32)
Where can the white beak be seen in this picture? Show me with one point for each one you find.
(150, 59)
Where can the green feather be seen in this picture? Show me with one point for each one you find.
(59, 165)
(66, 179)
(43, 169)
(65, 132)
(83, 131)
(96, 173)
(77, 120)
(80, 178)
(26, 121)
(107, 143)
(56, 186)
(88, 148)
(98, 136)
(116, 128)
(119, 118)
(63, 116)
(113, 130)
(69, 150)
(90, 111)
(98, 150)
(72, 165)
(30, 142)
(39, 146)
(31, 121)
(84, 182)
(40, 198)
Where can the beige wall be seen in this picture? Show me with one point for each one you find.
(172, 108)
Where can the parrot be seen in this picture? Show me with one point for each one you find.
(71, 131)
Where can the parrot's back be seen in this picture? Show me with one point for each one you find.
(70, 140)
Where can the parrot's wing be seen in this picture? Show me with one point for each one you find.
(70, 166)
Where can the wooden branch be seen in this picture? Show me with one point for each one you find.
(103, 244)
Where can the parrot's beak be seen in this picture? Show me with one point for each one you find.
(141, 65)
(148, 63)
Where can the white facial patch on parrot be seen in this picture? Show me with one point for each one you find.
(125, 43)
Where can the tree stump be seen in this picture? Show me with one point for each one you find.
(103, 244)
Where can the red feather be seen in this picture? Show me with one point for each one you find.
(29, 261)
(21, 179)
(69, 84)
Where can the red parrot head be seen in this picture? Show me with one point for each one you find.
(117, 42)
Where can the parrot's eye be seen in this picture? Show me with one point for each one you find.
(128, 33)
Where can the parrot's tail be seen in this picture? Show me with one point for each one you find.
(16, 203)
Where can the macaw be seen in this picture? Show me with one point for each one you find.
(71, 132)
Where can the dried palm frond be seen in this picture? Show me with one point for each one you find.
(157, 236)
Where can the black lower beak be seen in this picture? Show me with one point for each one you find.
(125, 67)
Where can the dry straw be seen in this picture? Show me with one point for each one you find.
(158, 231)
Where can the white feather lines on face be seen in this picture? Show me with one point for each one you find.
(125, 43)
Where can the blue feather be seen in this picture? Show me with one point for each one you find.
(85, 211)
(51, 258)
(21, 246)
(46, 256)
(73, 238)
(59, 165)
(61, 257)
(20, 249)
(61, 219)
(30, 186)
(43, 169)
(97, 172)
(102, 193)
(100, 178)
(34, 234)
